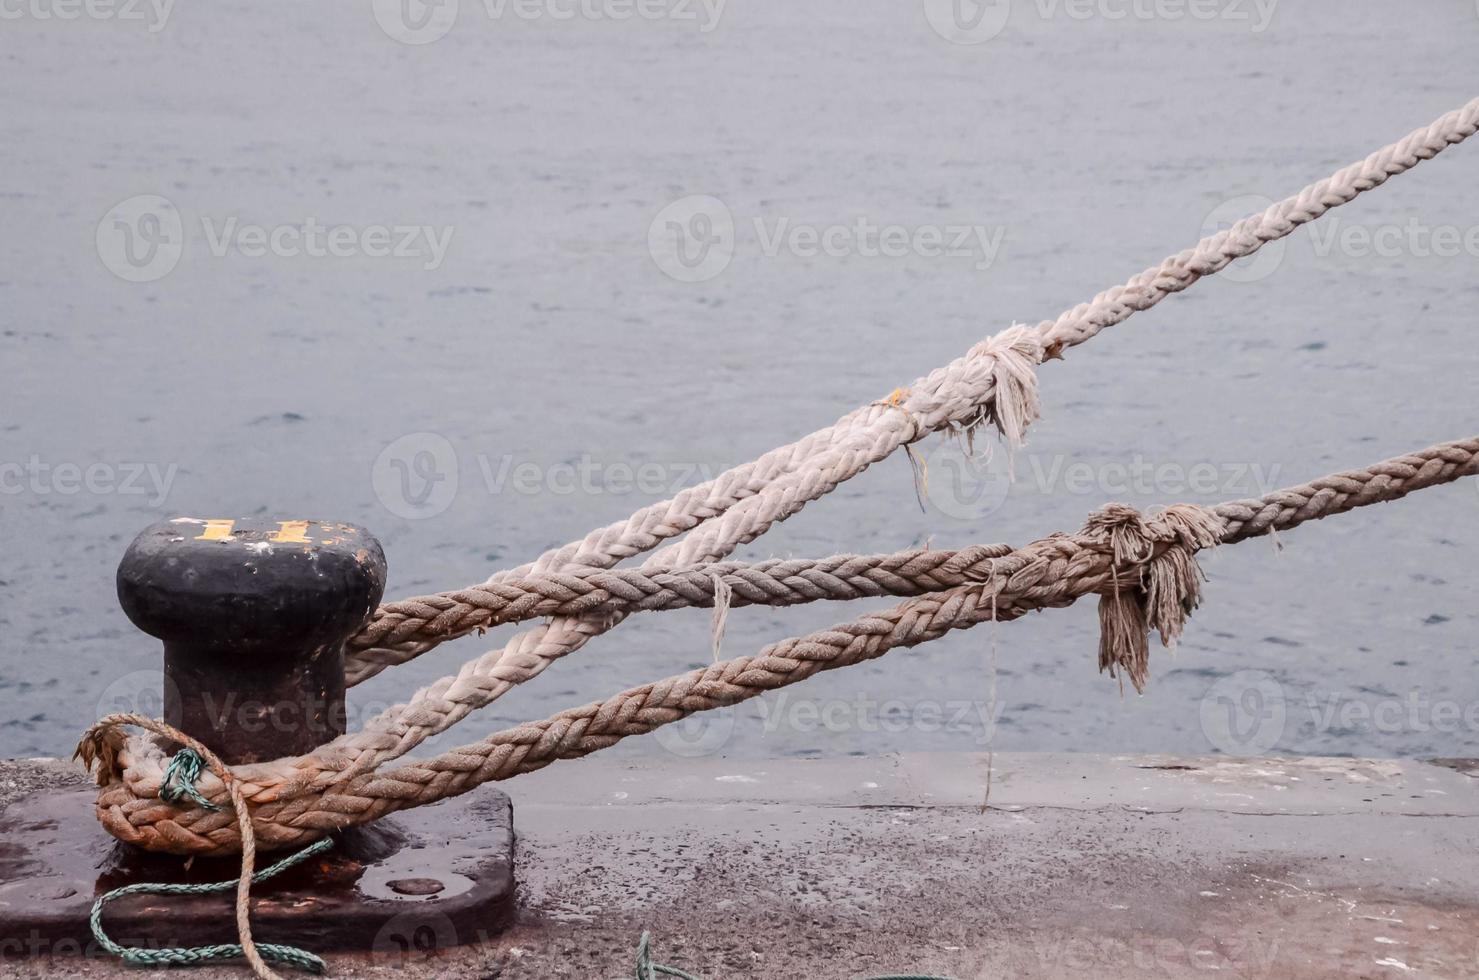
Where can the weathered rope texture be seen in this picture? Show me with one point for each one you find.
(994, 382)
(1141, 564)
(100, 750)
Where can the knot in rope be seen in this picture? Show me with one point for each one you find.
(179, 779)
(100, 748)
(1015, 354)
(1155, 582)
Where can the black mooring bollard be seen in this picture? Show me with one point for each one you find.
(253, 615)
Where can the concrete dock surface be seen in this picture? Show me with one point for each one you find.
(1079, 866)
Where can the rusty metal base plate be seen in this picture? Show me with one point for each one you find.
(428, 878)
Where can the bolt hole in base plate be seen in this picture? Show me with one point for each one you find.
(425, 879)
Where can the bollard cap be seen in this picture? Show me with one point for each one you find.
(251, 585)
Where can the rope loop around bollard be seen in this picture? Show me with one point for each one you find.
(99, 749)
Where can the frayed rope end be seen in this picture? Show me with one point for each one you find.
(723, 595)
(98, 750)
(1157, 582)
(1015, 402)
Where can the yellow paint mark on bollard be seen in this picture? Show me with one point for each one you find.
(217, 531)
(290, 532)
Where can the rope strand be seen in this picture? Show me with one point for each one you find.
(995, 381)
(1053, 572)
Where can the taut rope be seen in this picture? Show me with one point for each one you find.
(1141, 567)
(995, 381)
(344, 782)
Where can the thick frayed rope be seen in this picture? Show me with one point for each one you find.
(99, 750)
(1015, 354)
(1157, 582)
(949, 396)
(995, 582)
(742, 503)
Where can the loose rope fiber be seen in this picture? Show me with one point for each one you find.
(1142, 565)
(993, 382)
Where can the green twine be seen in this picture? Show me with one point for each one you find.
(179, 780)
(648, 970)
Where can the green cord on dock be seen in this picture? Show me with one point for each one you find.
(179, 781)
(648, 970)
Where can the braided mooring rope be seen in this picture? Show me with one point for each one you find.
(343, 783)
(995, 382)
(1141, 567)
